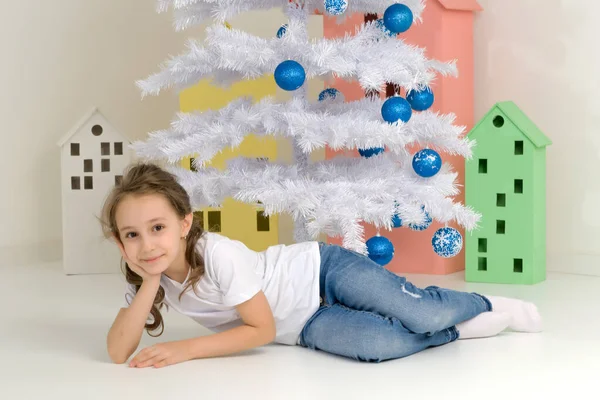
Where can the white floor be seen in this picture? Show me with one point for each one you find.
(52, 342)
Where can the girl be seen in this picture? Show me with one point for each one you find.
(318, 296)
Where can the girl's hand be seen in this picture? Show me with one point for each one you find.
(134, 267)
(162, 354)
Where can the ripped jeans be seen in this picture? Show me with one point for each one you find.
(371, 314)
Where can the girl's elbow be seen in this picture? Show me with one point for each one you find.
(117, 358)
(271, 334)
(116, 355)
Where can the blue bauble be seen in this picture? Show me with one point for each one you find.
(380, 249)
(371, 152)
(447, 242)
(398, 18)
(381, 25)
(427, 163)
(289, 75)
(396, 221)
(426, 222)
(396, 109)
(331, 94)
(335, 7)
(281, 31)
(420, 100)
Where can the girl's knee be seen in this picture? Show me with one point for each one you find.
(389, 342)
(384, 350)
(434, 322)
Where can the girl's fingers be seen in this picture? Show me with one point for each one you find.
(161, 364)
(144, 355)
(151, 361)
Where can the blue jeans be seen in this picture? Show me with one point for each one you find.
(371, 314)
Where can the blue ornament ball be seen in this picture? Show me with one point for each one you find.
(396, 109)
(367, 153)
(380, 249)
(447, 242)
(426, 222)
(396, 221)
(420, 100)
(398, 18)
(289, 75)
(330, 94)
(335, 7)
(381, 25)
(427, 163)
(281, 31)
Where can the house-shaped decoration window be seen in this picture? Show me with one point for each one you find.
(506, 183)
(214, 216)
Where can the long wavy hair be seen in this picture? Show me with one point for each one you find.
(147, 179)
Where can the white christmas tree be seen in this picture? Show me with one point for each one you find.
(388, 187)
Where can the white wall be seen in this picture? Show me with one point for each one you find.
(59, 58)
(544, 56)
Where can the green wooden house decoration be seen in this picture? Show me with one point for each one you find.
(506, 182)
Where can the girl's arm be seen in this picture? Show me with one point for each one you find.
(258, 330)
(125, 333)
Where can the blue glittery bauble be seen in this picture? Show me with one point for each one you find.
(420, 100)
(396, 109)
(331, 94)
(281, 31)
(371, 152)
(426, 222)
(380, 249)
(398, 18)
(396, 221)
(381, 25)
(427, 163)
(447, 242)
(289, 75)
(335, 7)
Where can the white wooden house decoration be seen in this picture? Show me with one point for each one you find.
(93, 158)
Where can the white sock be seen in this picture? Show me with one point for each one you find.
(484, 325)
(525, 316)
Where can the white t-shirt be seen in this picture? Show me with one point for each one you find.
(287, 274)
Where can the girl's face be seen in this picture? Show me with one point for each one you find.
(151, 232)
